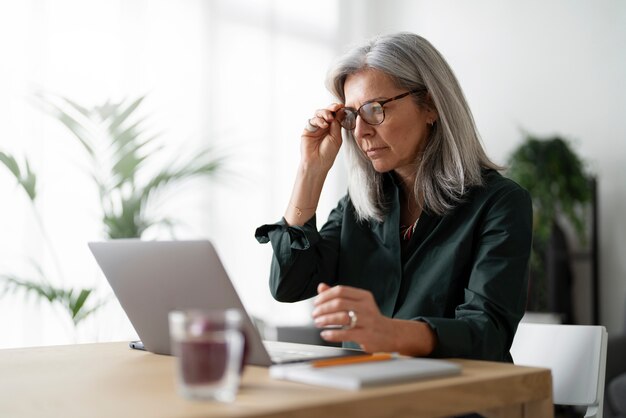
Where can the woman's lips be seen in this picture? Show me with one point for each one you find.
(375, 152)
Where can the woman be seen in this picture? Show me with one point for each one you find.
(427, 254)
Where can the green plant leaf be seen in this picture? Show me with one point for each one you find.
(29, 181)
(556, 180)
(77, 305)
(74, 305)
(123, 114)
(25, 177)
(106, 110)
(13, 284)
(128, 221)
(84, 313)
(125, 141)
(127, 166)
(82, 110)
(80, 132)
(11, 164)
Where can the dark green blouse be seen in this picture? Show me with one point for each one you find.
(464, 273)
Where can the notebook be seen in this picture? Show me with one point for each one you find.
(152, 278)
(365, 374)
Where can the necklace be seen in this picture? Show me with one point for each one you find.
(406, 232)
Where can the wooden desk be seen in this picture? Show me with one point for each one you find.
(110, 380)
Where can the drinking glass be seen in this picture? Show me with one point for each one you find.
(208, 346)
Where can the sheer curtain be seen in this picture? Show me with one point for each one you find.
(242, 76)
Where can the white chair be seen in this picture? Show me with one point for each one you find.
(576, 354)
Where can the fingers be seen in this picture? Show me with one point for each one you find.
(309, 127)
(335, 305)
(371, 336)
(322, 287)
(316, 123)
(340, 335)
(323, 120)
(369, 341)
(345, 293)
(340, 319)
(365, 326)
(340, 305)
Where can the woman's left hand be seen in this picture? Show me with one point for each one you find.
(372, 331)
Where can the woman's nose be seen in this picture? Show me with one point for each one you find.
(362, 128)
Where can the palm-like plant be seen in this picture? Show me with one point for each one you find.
(122, 159)
(73, 301)
(119, 149)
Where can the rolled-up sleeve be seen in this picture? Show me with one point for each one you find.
(303, 256)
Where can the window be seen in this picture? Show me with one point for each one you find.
(241, 75)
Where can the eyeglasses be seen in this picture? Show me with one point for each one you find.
(372, 112)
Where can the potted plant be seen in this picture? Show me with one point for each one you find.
(118, 151)
(560, 189)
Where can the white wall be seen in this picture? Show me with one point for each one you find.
(556, 67)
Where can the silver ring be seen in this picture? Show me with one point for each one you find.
(309, 127)
(353, 319)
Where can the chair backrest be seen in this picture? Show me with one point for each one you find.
(576, 355)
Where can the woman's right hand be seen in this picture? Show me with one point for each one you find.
(319, 147)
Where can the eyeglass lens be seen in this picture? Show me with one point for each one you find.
(372, 113)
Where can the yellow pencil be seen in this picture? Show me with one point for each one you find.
(353, 359)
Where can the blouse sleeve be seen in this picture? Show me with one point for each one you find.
(494, 300)
(303, 256)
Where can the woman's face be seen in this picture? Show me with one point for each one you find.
(399, 139)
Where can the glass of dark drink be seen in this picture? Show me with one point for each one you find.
(209, 347)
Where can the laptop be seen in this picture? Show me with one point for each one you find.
(152, 278)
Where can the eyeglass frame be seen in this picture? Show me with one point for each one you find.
(382, 104)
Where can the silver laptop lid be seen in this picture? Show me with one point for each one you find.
(151, 278)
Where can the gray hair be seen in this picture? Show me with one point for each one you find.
(453, 158)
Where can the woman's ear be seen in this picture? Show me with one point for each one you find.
(431, 110)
